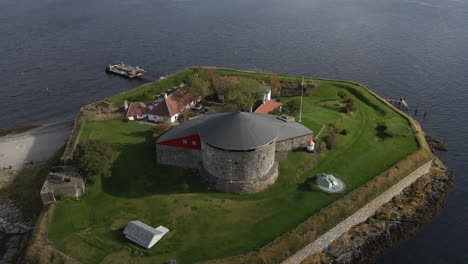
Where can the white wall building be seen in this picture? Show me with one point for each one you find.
(172, 106)
(143, 234)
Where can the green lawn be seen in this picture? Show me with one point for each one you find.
(206, 225)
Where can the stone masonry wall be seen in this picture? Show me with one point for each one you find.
(239, 171)
(181, 157)
(293, 143)
(248, 186)
(359, 216)
(238, 165)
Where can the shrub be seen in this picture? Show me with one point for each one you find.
(322, 147)
(342, 94)
(245, 94)
(185, 115)
(275, 112)
(185, 187)
(330, 140)
(350, 106)
(292, 107)
(214, 79)
(275, 85)
(94, 158)
(334, 128)
(344, 132)
(198, 86)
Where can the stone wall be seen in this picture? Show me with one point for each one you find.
(396, 220)
(249, 171)
(238, 165)
(293, 143)
(359, 216)
(248, 186)
(175, 156)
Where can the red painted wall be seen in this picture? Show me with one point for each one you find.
(191, 142)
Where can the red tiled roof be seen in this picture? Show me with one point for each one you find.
(267, 107)
(136, 109)
(173, 104)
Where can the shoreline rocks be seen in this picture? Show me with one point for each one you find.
(11, 219)
(398, 219)
(14, 229)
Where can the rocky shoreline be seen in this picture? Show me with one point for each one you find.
(14, 228)
(20, 185)
(394, 221)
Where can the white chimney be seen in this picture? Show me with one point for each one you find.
(165, 96)
(125, 105)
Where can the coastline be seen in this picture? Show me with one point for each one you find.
(36, 144)
(98, 107)
(19, 146)
(394, 221)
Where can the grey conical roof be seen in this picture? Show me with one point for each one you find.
(238, 131)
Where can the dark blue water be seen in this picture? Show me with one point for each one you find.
(53, 54)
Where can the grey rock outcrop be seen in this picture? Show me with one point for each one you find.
(11, 219)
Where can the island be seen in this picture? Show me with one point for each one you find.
(227, 163)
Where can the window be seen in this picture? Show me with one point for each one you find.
(184, 141)
(194, 142)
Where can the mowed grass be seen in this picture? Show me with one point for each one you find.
(206, 225)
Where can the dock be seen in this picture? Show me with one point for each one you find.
(399, 102)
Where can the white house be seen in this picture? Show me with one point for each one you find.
(136, 110)
(267, 95)
(143, 234)
(172, 106)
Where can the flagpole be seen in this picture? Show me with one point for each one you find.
(302, 94)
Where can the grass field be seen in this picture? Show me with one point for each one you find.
(206, 225)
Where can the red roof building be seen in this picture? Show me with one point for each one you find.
(267, 107)
(136, 110)
(171, 107)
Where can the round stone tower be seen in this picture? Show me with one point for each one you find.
(238, 152)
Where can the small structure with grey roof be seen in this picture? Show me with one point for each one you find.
(143, 234)
(62, 181)
(330, 183)
(235, 152)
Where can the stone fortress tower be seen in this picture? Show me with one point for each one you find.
(238, 152)
(235, 152)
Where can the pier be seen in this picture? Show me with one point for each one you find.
(398, 102)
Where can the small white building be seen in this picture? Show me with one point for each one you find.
(143, 234)
(310, 145)
(171, 106)
(267, 95)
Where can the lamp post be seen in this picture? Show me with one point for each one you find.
(302, 94)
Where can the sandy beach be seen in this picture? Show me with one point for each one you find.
(34, 145)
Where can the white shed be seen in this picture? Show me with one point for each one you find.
(143, 234)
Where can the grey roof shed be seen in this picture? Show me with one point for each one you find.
(143, 234)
